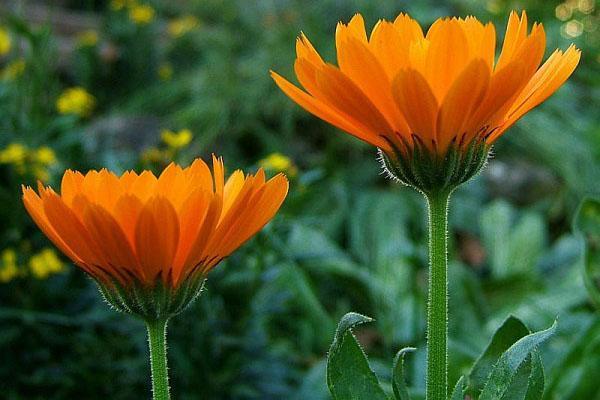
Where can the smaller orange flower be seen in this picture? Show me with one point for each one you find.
(139, 230)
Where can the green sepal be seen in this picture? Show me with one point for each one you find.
(459, 390)
(398, 380)
(156, 302)
(506, 369)
(349, 376)
(414, 164)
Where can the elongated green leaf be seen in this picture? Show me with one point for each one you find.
(349, 376)
(505, 370)
(398, 381)
(511, 330)
(459, 390)
(537, 379)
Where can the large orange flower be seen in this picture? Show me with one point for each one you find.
(144, 230)
(398, 86)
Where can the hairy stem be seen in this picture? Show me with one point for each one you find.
(437, 305)
(157, 342)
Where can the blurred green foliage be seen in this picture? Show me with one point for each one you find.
(346, 239)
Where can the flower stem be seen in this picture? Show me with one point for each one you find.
(437, 305)
(157, 342)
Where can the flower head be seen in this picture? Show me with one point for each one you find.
(45, 263)
(141, 236)
(76, 100)
(278, 162)
(176, 140)
(400, 89)
(180, 26)
(5, 42)
(141, 14)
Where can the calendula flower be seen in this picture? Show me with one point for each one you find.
(5, 42)
(141, 14)
(180, 26)
(88, 38)
(13, 70)
(432, 98)
(77, 101)
(278, 162)
(176, 140)
(138, 232)
(45, 263)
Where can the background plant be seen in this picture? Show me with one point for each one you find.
(264, 329)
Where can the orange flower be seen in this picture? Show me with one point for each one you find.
(398, 86)
(147, 231)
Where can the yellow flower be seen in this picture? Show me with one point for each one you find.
(8, 266)
(277, 162)
(45, 263)
(5, 42)
(141, 14)
(165, 72)
(76, 100)
(87, 38)
(13, 70)
(153, 155)
(14, 153)
(180, 26)
(176, 140)
(45, 155)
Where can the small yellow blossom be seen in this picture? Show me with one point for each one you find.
(141, 14)
(45, 263)
(154, 155)
(14, 153)
(176, 140)
(165, 72)
(8, 265)
(180, 26)
(76, 100)
(5, 42)
(118, 5)
(13, 70)
(277, 162)
(45, 155)
(87, 38)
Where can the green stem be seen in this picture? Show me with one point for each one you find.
(157, 342)
(437, 305)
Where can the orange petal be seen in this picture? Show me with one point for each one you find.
(113, 243)
(328, 114)
(447, 55)
(360, 65)
(191, 218)
(516, 32)
(341, 92)
(156, 238)
(542, 86)
(418, 104)
(464, 95)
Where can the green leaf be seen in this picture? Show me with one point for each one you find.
(459, 390)
(349, 376)
(398, 381)
(537, 379)
(505, 370)
(511, 330)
